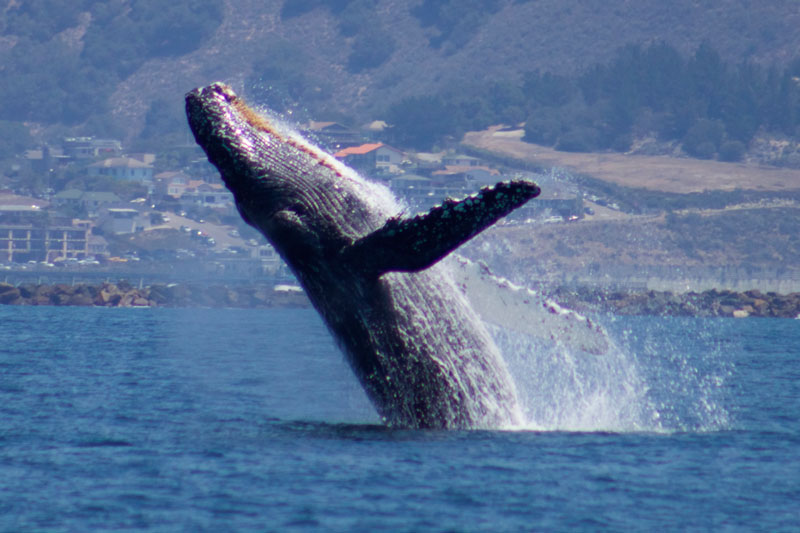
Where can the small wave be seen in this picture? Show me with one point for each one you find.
(105, 443)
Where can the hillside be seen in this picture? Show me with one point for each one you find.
(738, 249)
(357, 57)
(655, 173)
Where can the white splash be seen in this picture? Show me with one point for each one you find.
(563, 389)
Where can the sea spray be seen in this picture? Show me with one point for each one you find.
(687, 376)
(564, 389)
(647, 381)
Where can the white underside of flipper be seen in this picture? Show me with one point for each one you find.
(502, 303)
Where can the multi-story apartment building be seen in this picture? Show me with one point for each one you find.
(28, 234)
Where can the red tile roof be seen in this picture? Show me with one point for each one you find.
(358, 150)
(462, 169)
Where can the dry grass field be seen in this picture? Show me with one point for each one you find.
(658, 173)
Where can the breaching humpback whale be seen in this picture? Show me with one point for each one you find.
(421, 353)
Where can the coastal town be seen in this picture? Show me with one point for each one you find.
(83, 218)
(131, 213)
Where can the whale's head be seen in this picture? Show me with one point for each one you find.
(302, 199)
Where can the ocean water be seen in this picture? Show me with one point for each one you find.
(240, 420)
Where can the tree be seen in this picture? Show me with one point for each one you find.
(704, 138)
(420, 121)
(542, 129)
(731, 151)
(578, 139)
(14, 138)
(546, 89)
(708, 76)
(456, 20)
(371, 48)
(280, 80)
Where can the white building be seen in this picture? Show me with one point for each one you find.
(124, 168)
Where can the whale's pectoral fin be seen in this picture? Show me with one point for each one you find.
(500, 302)
(409, 245)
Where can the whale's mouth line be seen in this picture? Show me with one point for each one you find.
(236, 107)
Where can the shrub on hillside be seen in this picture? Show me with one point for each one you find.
(704, 150)
(580, 139)
(419, 122)
(731, 151)
(371, 48)
(542, 130)
(14, 138)
(704, 138)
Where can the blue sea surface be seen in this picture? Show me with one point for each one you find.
(239, 420)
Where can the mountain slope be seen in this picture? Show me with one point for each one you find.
(308, 58)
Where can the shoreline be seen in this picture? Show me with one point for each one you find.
(124, 294)
(710, 303)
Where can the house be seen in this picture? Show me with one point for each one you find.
(68, 198)
(466, 176)
(171, 183)
(459, 160)
(143, 157)
(10, 202)
(373, 130)
(211, 195)
(92, 201)
(192, 192)
(123, 168)
(98, 246)
(371, 156)
(121, 220)
(332, 135)
(87, 200)
(417, 191)
(46, 160)
(90, 148)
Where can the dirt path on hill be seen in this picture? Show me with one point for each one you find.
(660, 173)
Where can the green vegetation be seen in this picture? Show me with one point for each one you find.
(419, 122)
(62, 61)
(713, 108)
(372, 45)
(456, 21)
(14, 138)
(371, 49)
(280, 78)
(77, 80)
(701, 101)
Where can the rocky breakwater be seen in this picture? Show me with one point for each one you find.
(711, 303)
(123, 294)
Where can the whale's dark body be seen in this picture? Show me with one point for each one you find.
(421, 353)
